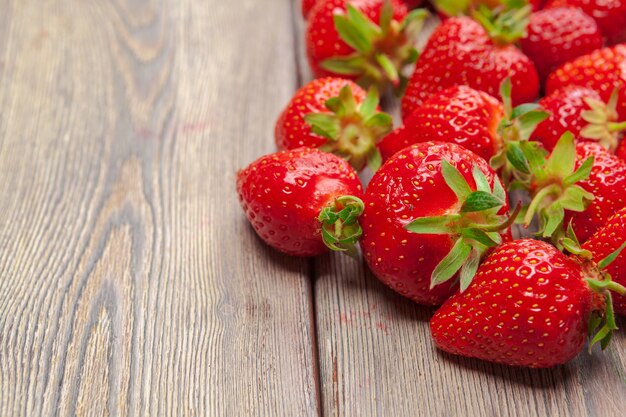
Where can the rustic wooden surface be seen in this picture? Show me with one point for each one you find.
(130, 283)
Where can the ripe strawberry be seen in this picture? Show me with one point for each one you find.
(458, 115)
(603, 70)
(336, 116)
(620, 152)
(307, 6)
(609, 15)
(302, 201)
(462, 52)
(581, 111)
(605, 241)
(431, 210)
(369, 41)
(528, 305)
(607, 183)
(558, 35)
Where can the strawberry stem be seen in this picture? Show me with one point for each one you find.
(340, 227)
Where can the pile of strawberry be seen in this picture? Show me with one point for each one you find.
(434, 223)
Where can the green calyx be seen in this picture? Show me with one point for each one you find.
(340, 224)
(352, 131)
(603, 122)
(505, 24)
(474, 224)
(602, 323)
(515, 130)
(554, 188)
(381, 49)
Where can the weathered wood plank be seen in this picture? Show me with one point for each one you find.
(377, 358)
(130, 283)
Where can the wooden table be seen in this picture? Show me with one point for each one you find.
(130, 281)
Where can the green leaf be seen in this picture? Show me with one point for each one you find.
(498, 189)
(479, 236)
(386, 16)
(347, 99)
(611, 257)
(582, 173)
(455, 180)
(555, 215)
(527, 123)
(575, 198)
(451, 263)
(505, 94)
(482, 184)
(369, 105)
(349, 65)
(334, 104)
(562, 161)
(352, 34)
(439, 225)
(523, 109)
(479, 201)
(388, 67)
(517, 158)
(374, 160)
(325, 125)
(365, 26)
(535, 154)
(468, 270)
(381, 120)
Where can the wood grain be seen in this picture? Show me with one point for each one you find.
(130, 283)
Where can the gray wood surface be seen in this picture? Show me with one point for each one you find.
(130, 282)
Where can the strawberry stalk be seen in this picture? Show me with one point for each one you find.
(603, 122)
(340, 227)
(382, 49)
(515, 129)
(505, 24)
(474, 227)
(352, 130)
(554, 188)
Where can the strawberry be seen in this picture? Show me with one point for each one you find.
(581, 111)
(462, 52)
(605, 241)
(558, 35)
(458, 115)
(336, 116)
(302, 201)
(620, 152)
(528, 305)
(307, 6)
(369, 41)
(603, 70)
(607, 183)
(432, 210)
(610, 15)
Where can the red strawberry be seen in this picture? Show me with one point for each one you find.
(528, 305)
(558, 35)
(604, 242)
(462, 52)
(602, 70)
(307, 6)
(620, 152)
(431, 210)
(581, 111)
(607, 183)
(301, 201)
(337, 116)
(609, 14)
(369, 41)
(458, 115)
